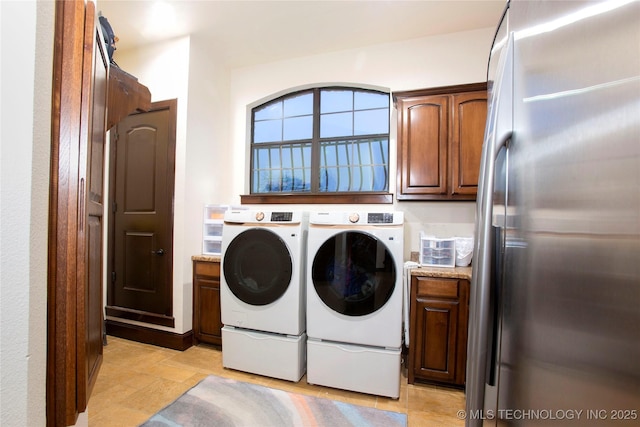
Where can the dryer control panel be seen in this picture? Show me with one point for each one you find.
(379, 219)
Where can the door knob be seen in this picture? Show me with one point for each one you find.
(158, 252)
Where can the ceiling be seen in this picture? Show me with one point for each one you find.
(242, 33)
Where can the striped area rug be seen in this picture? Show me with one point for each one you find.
(222, 402)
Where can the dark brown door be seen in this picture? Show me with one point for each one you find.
(90, 318)
(74, 293)
(142, 251)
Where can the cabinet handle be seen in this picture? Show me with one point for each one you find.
(159, 252)
(81, 202)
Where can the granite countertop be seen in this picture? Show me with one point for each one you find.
(444, 272)
(451, 273)
(210, 258)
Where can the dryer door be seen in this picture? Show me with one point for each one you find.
(257, 266)
(354, 273)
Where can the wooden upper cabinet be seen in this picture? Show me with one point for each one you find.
(423, 165)
(440, 134)
(469, 115)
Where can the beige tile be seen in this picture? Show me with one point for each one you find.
(429, 419)
(136, 380)
(141, 362)
(155, 396)
(195, 379)
(169, 372)
(433, 399)
(115, 374)
(395, 405)
(119, 416)
(110, 397)
(203, 359)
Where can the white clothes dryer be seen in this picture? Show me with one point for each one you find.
(354, 301)
(262, 292)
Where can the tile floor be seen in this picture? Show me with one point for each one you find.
(137, 380)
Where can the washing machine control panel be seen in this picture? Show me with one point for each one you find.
(259, 216)
(281, 216)
(380, 218)
(354, 217)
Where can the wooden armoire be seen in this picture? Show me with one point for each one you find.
(89, 96)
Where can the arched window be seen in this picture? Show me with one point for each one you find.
(321, 141)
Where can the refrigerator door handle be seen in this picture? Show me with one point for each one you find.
(483, 310)
(495, 304)
(499, 132)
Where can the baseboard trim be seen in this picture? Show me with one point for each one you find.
(145, 335)
(140, 316)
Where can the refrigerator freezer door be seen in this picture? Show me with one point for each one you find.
(568, 338)
(576, 286)
(481, 310)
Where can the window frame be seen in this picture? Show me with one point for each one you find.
(298, 197)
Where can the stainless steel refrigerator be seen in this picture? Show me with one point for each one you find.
(554, 329)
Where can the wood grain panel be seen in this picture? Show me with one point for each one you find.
(440, 135)
(438, 288)
(209, 302)
(437, 344)
(422, 145)
(141, 151)
(211, 269)
(141, 246)
(469, 112)
(440, 320)
(207, 319)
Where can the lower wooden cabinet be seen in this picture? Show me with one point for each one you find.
(207, 324)
(439, 314)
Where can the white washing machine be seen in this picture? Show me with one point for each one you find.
(262, 292)
(354, 301)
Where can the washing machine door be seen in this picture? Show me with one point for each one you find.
(354, 273)
(257, 266)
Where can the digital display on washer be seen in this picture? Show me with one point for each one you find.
(354, 273)
(281, 216)
(380, 218)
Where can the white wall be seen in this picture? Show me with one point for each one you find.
(421, 63)
(213, 129)
(27, 30)
(208, 151)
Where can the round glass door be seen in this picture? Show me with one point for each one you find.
(354, 273)
(257, 267)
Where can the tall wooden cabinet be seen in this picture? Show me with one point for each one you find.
(439, 312)
(83, 97)
(207, 323)
(440, 134)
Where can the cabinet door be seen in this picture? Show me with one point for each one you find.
(436, 346)
(422, 146)
(207, 322)
(468, 118)
(438, 329)
(210, 323)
